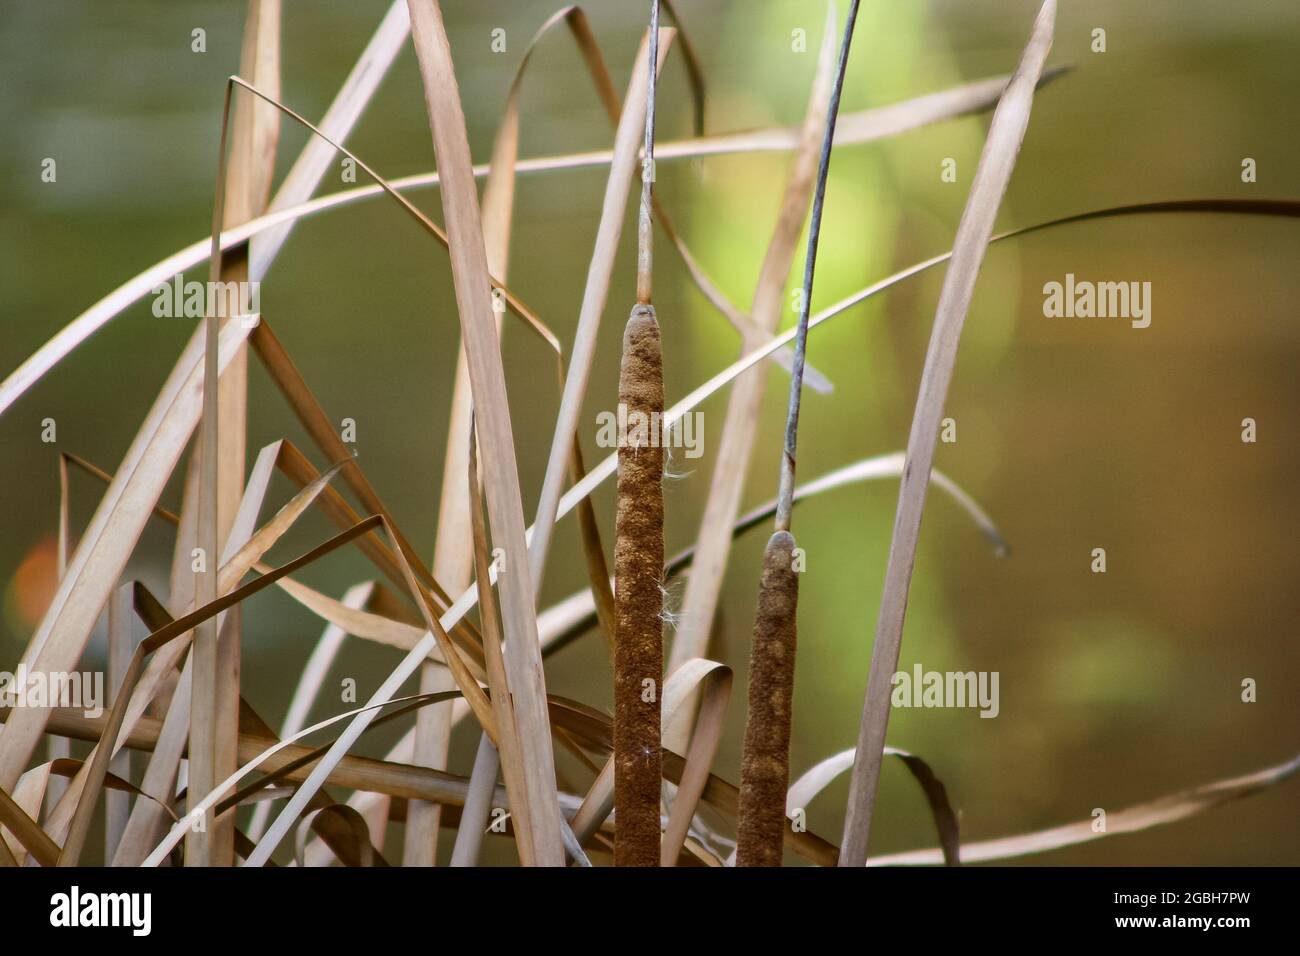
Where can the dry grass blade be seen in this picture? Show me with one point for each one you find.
(1006, 132)
(453, 558)
(367, 625)
(866, 126)
(595, 295)
(103, 550)
(312, 678)
(508, 738)
(740, 426)
(122, 638)
(576, 613)
(818, 777)
(359, 851)
(350, 102)
(593, 550)
(214, 716)
(869, 469)
(1142, 816)
(86, 794)
(505, 507)
(33, 787)
(478, 804)
(714, 683)
(27, 832)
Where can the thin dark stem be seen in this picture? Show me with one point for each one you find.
(785, 492)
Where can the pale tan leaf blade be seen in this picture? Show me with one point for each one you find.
(740, 426)
(104, 549)
(1006, 132)
(1142, 816)
(864, 126)
(820, 776)
(600, 269)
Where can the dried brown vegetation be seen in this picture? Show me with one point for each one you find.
(178, 695)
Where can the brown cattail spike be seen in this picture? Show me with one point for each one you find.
(638, 599)
(764, 769)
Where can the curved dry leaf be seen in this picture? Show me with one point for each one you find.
(312, 678)
(28, 795)
(595, 294)
(861, 127)
(314, 161)
(1142, 816)
(177, 832)
(819, 777)
(360, 849)
(713, 680)
(27, 831)
(1002, 146)
(740, 426)
(576, 613)
(104, 549)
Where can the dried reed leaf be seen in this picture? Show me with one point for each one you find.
(713, 681)
(509, 743)
(27, 831)
(349, 103)
(1006, 132)
(472, 283)
(865, 126)
(251, 167)
(818, 777)
(230, 573)
(28, 794)
(366, 625)
(595, 294)
(359, 852)
(740, 425)
(312, 677)
(453, 559)
(103, 550)
(122, 638)
(1142, 816)
(576, 613)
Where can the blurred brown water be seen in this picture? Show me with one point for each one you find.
(1074, 434)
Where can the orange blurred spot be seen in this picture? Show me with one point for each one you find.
(33, 585)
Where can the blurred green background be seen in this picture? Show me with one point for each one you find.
(1074, 434)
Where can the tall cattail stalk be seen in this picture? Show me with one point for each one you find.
(639, 548)
(765, 763)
